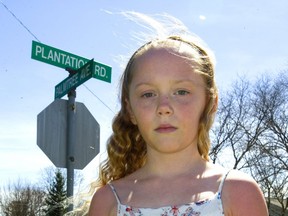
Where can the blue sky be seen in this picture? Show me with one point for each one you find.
(248, 37)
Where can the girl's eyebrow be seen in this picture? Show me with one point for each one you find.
(194, 82)
(143, 84)
(189, 82)
(185, 81)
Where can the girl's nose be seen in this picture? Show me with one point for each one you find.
(164, 106)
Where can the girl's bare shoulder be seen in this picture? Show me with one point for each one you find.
(242, 195)
(103, 202)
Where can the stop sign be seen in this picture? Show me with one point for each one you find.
(52, 134)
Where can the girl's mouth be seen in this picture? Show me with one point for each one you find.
(165, 129)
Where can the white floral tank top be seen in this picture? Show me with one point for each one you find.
(208, 207)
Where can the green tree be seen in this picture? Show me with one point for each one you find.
(57, 196)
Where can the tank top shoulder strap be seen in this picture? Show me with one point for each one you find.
(222, 181)
(115, 193)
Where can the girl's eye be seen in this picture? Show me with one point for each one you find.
(182, 92)
(147, 95)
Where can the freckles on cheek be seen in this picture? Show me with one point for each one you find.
(143, 112)
(182, 100)
(145, 104)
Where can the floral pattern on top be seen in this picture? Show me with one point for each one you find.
(207, 207)
(168, 211)
(194, 209)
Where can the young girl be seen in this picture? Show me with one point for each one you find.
(158, 161)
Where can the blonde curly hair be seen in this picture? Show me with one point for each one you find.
(126, 148)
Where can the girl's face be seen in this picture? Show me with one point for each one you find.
(166, 100)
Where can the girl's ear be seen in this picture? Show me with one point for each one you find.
(215, 105)
(130, 112)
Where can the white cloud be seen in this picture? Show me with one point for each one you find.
(202, 17)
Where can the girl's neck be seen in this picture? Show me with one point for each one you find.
(172, 165)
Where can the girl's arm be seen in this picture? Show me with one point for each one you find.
(242, 196)
(103, 203)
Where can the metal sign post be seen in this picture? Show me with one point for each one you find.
(71, 139)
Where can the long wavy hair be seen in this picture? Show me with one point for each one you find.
(126, 148)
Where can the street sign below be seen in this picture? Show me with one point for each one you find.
(52, 134)
(81, 75)
(63, 59)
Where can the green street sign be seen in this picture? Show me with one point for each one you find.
(81, 75)
(63, 59)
